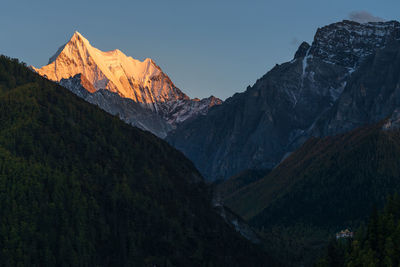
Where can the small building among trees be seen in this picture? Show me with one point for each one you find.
(344, 234)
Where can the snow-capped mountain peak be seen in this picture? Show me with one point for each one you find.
(138, 91)
(141, 81)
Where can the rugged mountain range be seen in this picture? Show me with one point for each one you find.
(331, 86)
(322, 91)
(144, 83)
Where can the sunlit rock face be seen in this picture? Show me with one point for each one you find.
(142, 82)
(347, 77)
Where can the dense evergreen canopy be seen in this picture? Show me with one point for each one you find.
(78, 187)
(331, 181)
(327, 185)
(377, 244)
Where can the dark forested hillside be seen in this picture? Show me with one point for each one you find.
(327, 185)
(78, 187)
(224, 188)
(333, 180)
(377, 244)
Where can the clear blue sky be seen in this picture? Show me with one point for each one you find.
(206, 47)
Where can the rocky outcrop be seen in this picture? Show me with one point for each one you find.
(176, 112)
(133, 113)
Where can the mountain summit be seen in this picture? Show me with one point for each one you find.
(141, 81)
(258, 128)
(134, 87)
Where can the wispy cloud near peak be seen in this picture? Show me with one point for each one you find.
(364, 17)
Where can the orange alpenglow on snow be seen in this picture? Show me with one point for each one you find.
(141, 81)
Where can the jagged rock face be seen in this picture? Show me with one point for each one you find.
(255, 129)
(169, 114)
(176, 112)
(138, 91)
(372, 94)
(143, 82)
(133, 113)
(347, 42)
(79, 85)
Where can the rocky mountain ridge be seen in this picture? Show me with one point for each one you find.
(257, 128)
(133, 113)
(126, 80)
(347, 42)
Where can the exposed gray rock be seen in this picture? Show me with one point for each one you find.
(160, 120)
(139, 91)
(253, 129)
(176, 112)
(372, 94)
(256, 128)
(346, 43)
(133, 113)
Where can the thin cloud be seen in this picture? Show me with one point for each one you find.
(364, 17)
(295, 41)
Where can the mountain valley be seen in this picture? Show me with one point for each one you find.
(105, 162)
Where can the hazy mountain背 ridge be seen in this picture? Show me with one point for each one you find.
(257, 128)
(141, 81)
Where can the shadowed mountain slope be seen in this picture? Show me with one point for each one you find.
(79, 187)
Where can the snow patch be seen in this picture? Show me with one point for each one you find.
(305, 62)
